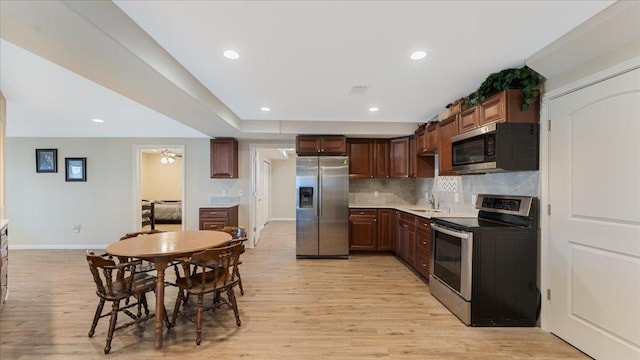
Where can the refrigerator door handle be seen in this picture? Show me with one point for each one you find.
(319, 202)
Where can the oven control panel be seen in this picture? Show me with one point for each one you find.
(505, 204)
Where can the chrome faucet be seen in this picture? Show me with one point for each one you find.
(432, 201)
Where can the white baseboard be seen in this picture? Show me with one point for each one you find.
(283, 219)
(59, 247)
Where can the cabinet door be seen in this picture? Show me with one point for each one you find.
(422, 142)
(333, 145)
(493, 109)
(446, 130)
(224, 158)
(385, 229)
(363, 229)
(399, 157)
(413, 157)
(432, 138)
(381, 159)
(468, 119)
(407, 240)
(394, 231)
(307, 145)
(361, 158)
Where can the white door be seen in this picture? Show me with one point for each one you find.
(266, 206)
(594, 226)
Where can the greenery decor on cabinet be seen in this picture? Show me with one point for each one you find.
(523, 78)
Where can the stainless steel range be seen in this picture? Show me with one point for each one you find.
(484, 269)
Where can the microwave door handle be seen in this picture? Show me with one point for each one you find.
(450, 232)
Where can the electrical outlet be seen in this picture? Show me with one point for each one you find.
(224, 192)
(76, 228)
(456, 197)
(474, 197)
(240, 193)
(375, 194)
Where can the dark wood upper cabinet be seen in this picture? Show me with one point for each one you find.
(468, 119)
(361, 158)
(224, 158)
(381, 158)
(504, 106)
(399, 157)
(422, 141)
(432, 138)
(446, 130)
(413, 157)
(321, 145)
(368, 158)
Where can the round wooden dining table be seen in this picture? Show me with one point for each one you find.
(161, 248)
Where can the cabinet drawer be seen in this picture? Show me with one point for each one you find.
(423, 243)
(423, 225)
(407, 220)
(213, 224)
(365, 212)
(422, 263)
(214, 213)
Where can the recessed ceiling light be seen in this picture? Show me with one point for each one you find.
(231, 54)
(418, 55)
(265, 109)
(97, 120)
(373, 109)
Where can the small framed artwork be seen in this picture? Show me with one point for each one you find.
(46, 160)
(76, 169)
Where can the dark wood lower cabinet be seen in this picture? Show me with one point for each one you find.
(423, 246)
(363, 229)
(407, 235)
(216, 218)
(385, 229)
(407, 238)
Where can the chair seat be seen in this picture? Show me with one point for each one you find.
(198, 288)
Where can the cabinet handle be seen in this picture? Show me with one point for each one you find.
(405, 225)
(361, 212)
(424, 243)
(424, 265)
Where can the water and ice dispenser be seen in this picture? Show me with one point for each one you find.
(305, 197)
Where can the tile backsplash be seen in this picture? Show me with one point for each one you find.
(444, 188)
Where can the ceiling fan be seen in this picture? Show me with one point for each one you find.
(168, 157)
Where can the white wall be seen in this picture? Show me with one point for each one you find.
(160, 181)
(283, 189)
(43, 207)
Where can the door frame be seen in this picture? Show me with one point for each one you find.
(253, 150)
(545, 245)
(137, 198)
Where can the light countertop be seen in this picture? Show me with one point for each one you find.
(417, 210)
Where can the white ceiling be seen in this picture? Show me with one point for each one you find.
(301, 59)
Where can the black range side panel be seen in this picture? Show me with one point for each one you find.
(517, 146)
(504, 291)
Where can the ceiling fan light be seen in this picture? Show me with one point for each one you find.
(164, 160)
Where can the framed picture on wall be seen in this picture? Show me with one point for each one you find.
(76, 169)
(46, 160)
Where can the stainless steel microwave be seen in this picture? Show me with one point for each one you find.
(495, 148)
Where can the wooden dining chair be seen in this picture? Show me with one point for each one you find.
(238, 235)
(118, 282)
(209, 279)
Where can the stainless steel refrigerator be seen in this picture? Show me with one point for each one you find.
(322, 207)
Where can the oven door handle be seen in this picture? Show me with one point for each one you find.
(461, 235)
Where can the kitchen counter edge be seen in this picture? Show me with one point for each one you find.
(416, 210)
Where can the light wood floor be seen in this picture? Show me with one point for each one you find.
(370, 306)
